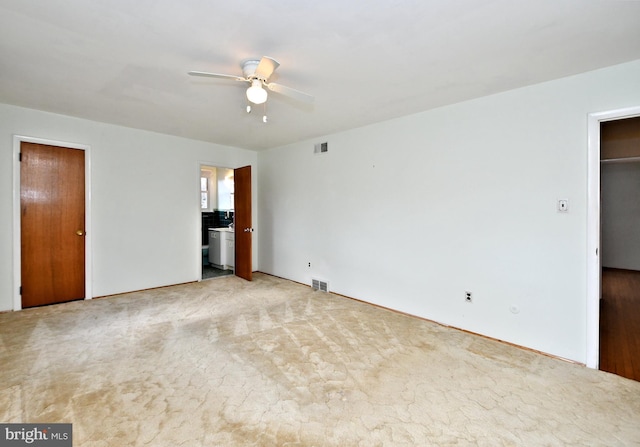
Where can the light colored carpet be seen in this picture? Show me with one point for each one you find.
(226, 362)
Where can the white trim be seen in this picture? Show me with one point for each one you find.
(593, 228)
(17, 273)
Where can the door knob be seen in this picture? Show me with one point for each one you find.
(80, 233)
(248, 230)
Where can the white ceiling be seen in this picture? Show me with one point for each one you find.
(125, 61)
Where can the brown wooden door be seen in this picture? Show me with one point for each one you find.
(52, 224)
(242, 225)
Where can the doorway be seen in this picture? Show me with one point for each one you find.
(620, 247)
(51, 222)
(225, 197)
(596, 247)
(217, 197)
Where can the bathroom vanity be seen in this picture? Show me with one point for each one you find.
(222, 248)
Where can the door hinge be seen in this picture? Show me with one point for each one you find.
(20, 290)
(19, 156)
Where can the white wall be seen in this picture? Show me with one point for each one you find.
(412, 212)
(620, 189)
(144, 199)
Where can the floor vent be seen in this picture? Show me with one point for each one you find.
(322, 286)
(321, 148)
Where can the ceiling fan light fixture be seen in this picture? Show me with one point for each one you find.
(256, 94)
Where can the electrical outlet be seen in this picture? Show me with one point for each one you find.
(467, 297)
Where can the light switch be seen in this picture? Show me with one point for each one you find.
(563, 205)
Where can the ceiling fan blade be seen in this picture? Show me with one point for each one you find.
(290, 92)
(266, 67)
(216, 75)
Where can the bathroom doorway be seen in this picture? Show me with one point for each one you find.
(217, 208)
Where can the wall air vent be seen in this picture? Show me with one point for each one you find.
(322, 286)
(320, 148)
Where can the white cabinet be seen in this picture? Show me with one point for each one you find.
(222, 248)
(230, 244)
(215, 247)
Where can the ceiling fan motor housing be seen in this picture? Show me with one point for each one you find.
(249, 68)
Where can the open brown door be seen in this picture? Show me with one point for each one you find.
(52, 224)
(244, 230)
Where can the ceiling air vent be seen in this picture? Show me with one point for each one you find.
(320, 148)
(322, 286)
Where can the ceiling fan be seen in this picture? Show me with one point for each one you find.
(257, 74)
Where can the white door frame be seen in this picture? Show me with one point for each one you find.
(17, 265)
(593, 228)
